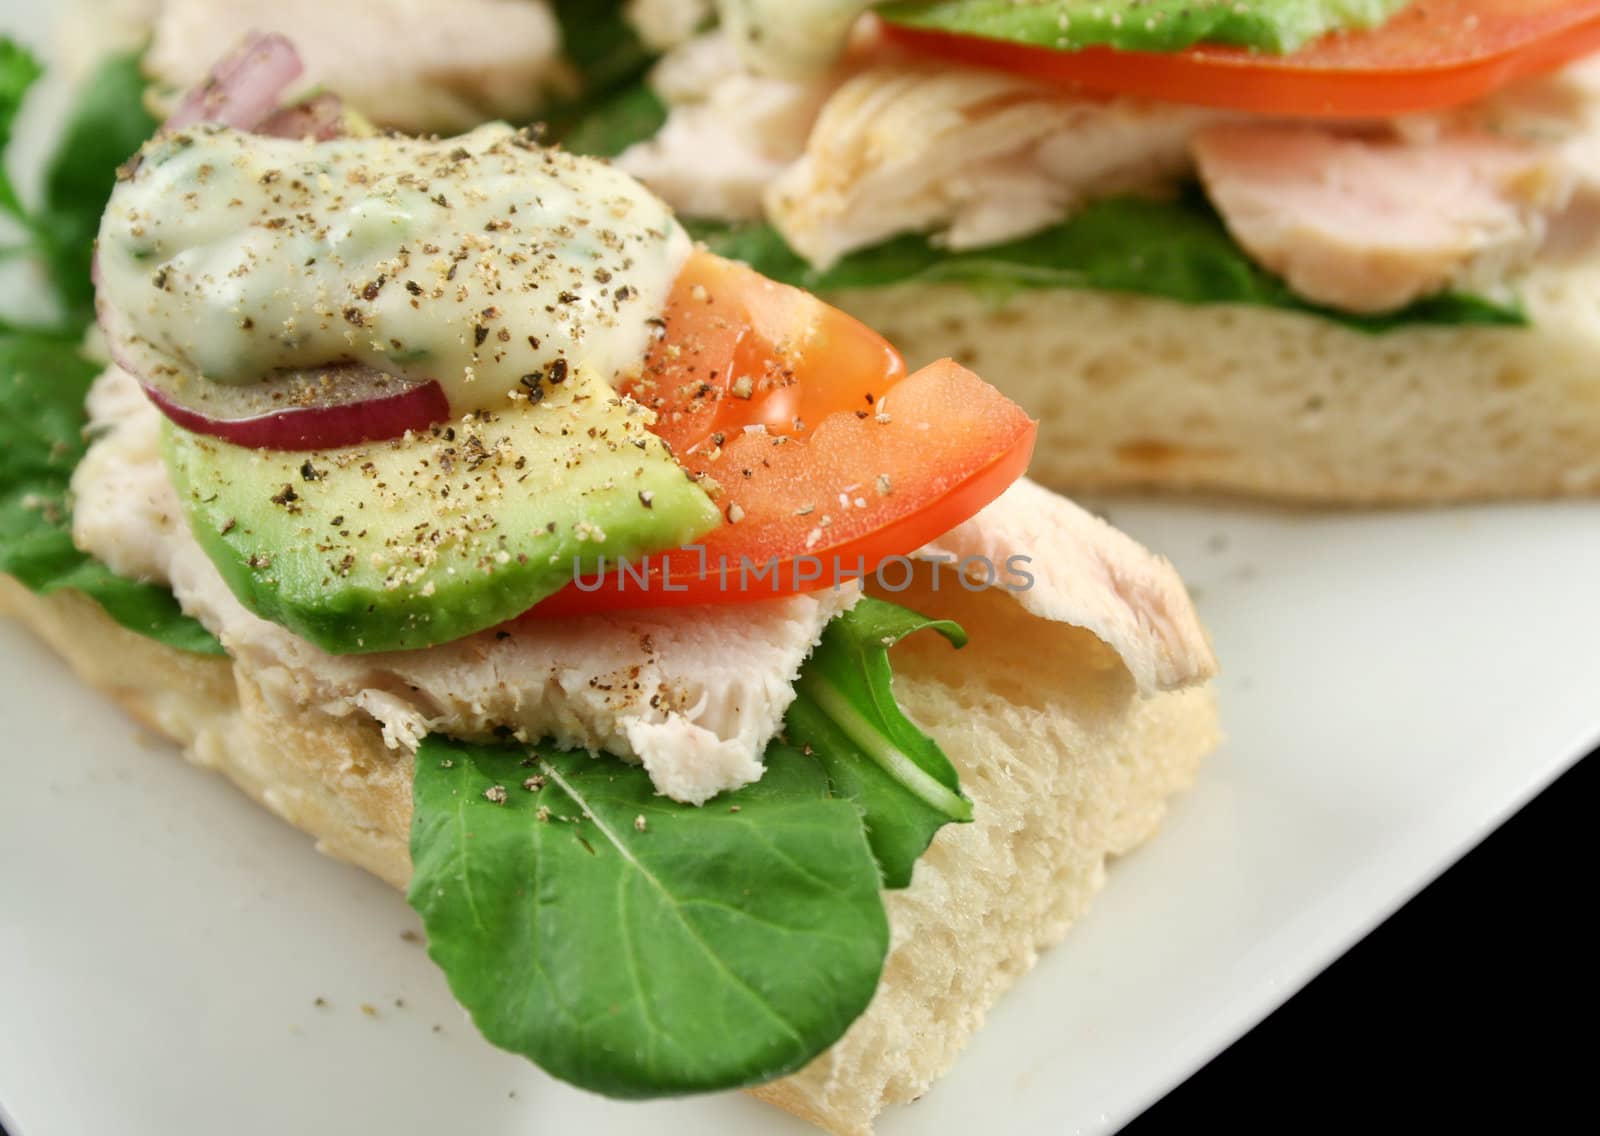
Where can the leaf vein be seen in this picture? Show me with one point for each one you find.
(718, 962)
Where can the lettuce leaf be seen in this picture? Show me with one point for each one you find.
(639, 947)
(107, 125)
(609, 61)
(44, 377)
(616, 122)
(634, 946)
(845, 713)
(1278, 26)
(43, 381)
(600, 43)
(19, 70)
(1177, 249)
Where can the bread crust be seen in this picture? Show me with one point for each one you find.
(1067, 762)
(1136, 392)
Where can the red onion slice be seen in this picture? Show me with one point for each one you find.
(338, 405)
(321, 117)
(308, 410)
(344, 404)
(244, 88)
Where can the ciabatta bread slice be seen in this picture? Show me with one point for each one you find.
(1136, 392)
(1080, 704)
(1070, 737)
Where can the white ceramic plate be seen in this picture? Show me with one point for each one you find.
(1395, 685)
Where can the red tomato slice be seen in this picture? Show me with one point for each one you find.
(1433, 55)
(878, 464)
(740, 350)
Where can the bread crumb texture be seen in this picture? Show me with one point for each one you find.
(1067, 762)
(1135, 392)
(1067, 766)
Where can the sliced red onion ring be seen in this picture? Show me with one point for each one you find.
(312, 409)
(321, 409)
(244, 88)
(325, 408)
(321, 117)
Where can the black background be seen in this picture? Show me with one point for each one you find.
(1475, 1001)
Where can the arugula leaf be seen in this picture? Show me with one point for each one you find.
(598, 39)
(1278, 26)
(44, 377)
(19, 70)
(845, 713)
(1178, 249)
(635, 946)
(44, 559)
(618, 121)
(612, 106)
(639, 947)
(43, 381)
(107, 125)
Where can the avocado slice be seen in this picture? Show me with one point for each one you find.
(431, 537)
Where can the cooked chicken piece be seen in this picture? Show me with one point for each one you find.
(791, 38)
(1560, 110)
(1369, 224)
(91, 30)
(693, 72)
(414, 65)
(728, 134)
(1083, 572)
(976, 157)
(694, 693)
(664, 24)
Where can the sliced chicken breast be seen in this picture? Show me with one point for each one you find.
(1082, 572)
(976, 157)
(1369, 224)
(664, 24)
(90, 30)
(693, 693)
(416, 65)
(728, 134)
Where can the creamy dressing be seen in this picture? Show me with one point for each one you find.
(790, 37)
(475, 261)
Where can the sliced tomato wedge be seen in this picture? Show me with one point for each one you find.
(1433, 55)
(825, 457)
(739, 352)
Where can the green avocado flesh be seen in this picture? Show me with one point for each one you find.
(429, 538)
(1277, 26)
